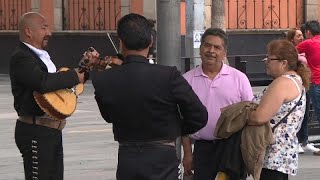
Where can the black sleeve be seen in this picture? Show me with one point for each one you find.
(28, 72)
(102, 109)
(194, 113)
(98, 97)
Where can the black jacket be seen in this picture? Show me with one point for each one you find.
(228, 157)
(142, 100)
(28, 74)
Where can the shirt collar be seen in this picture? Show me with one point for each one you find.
(38, 52)
(225, 70)
(317, 36)
(135, 58)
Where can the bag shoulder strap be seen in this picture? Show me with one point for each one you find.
(281, 121)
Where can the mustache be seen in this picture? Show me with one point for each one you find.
(46, 37)
(213, 55)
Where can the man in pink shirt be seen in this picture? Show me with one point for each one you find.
(311, 48)
(217, 85)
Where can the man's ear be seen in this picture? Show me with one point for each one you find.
(120, 45)
(28, 32)
(122, 48)
(151, 42)
(308, 33)
(285, 62)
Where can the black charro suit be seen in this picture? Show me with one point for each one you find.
(28, 73)
(40, 146)
(141, 100)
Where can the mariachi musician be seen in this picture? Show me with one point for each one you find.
(37, 135)
(141, 101)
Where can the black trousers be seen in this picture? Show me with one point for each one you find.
(42, 151)
(147, 162)
(204, 160)
(268, 174)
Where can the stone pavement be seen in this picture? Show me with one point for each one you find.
(89, 149)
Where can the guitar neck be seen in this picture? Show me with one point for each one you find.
(100, 64)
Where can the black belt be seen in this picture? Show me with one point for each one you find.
(160, 142)
(206, 141)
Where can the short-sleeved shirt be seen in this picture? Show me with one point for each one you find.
(283, 154)
(311, 48)
(228, 87)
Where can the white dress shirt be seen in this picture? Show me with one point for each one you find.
(44, 56)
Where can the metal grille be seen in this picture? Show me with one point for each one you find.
(10, 12)
(91, 14)
(264, 14)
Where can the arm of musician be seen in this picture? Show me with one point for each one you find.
(98, 83)
(81, 77)
(102, 109)
(28, 72)
(194, 113)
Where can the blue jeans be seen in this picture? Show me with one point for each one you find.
(315, 99)
(303, 132)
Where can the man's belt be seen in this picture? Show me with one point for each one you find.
(160, 142)
(43, 121)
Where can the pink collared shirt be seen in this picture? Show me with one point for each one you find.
(228, 87)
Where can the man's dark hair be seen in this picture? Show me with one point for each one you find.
(134, 31)
(216, 32)
(313, 26)
(303, 30)
(152, 22)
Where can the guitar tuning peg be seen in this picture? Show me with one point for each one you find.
(91, 49)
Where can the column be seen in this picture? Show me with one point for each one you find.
(149, 9)
(125, 7)
(47, 9)
(168, 33)
(58, 15)
(199, 25)
(311, 10)
(35, 5)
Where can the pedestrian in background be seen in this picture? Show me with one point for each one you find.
(311, 48)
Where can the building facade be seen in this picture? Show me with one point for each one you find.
(91, 15)
(78, 24)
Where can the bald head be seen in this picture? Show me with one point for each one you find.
(34, 29)
(28, 20)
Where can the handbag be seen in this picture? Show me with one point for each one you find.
(281, 121)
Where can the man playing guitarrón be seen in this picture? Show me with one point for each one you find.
(37, 136)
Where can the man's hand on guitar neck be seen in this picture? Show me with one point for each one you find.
(82, 77)
(90, 57)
